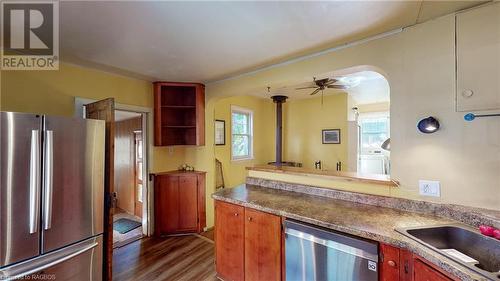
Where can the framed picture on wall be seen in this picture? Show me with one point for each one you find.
(331, 136)
(220, 132)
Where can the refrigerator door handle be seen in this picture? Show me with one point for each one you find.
(27, 268)
(34, 207)
(48, 179)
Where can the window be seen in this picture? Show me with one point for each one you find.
(374, 131)
(241, 133)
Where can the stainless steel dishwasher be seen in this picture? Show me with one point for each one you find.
(314, 253)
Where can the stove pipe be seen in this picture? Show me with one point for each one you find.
(279, 100)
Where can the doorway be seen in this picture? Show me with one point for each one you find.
(128, 178)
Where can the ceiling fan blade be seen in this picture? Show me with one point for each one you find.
(311, 87)
(315, 91)
(331, 81)
(342, 87)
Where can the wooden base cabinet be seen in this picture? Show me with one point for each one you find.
(247, 243)
(262, 246)
(179, 202)
(229, 241)
(401, 265)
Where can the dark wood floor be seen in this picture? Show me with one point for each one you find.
(173, 258)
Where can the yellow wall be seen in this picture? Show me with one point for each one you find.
(303, 121)
(54, 92)
(263, 136)
(374, 107)
(419, 64)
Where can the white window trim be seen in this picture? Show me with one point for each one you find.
(243, 110)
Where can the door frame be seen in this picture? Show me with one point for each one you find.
(147, 126)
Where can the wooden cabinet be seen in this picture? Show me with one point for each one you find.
(247, 243)
(424, 272)
(478, 58)
(389, 263)
(230, 241)
(179, 202)
(179, 113)
(249, 246)
(401, 265)
(262, 246)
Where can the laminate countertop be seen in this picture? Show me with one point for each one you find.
(358, 219)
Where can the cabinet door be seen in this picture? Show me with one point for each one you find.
(262, 246)
(229, 241)
(188, 203)
(405, 265)
(167, 204)
(478, 58)
(389, 263)
(423, 272)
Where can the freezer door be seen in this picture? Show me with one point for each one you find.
(19, 186)
(73, 181)
(78, 262)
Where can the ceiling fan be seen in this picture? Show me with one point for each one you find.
(322, 84)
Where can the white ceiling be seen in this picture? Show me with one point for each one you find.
(367, 87)
(207, 41)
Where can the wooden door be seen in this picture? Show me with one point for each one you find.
(262, 246)
(229, 241)
(188, 203)
(105, 110)
(389, 263)
(138, 187)
(423, 272)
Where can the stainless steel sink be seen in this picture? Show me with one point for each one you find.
(482, 253)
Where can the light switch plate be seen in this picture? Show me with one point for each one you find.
(429, 188)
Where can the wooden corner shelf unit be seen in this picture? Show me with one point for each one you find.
(179, 113)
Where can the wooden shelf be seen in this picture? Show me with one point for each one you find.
(175, 106)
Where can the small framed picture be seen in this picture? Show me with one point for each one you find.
(220, 132)
(331, 136)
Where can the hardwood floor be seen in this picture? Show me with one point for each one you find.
(187, 258)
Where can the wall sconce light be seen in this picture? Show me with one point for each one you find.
(428, 125)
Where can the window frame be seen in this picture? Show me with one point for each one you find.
(246, 111)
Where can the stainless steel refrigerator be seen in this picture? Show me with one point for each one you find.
(51, 197)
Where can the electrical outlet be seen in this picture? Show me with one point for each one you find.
(429, 188)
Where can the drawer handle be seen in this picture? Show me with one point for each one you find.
(391, 263)
(235, 214)
(249, 218)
